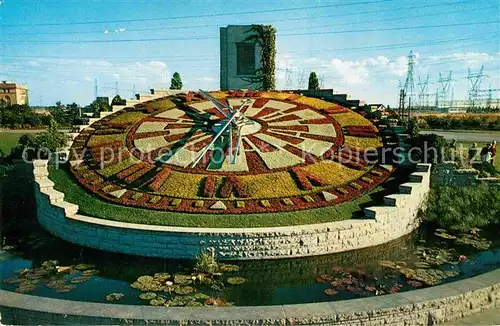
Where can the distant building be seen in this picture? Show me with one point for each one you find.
(12, 93)
(239, 59)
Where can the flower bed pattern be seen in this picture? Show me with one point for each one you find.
(301, 153)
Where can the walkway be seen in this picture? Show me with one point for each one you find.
(479, 137)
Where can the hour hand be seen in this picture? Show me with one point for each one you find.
(218, 105)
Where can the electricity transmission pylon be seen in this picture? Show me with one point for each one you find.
(409, 88)
(443, 91)
(475, 80)
(423, 94)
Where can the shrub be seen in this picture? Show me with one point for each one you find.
(463, 208)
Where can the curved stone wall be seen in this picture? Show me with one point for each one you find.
(428, 306)
(382, 224)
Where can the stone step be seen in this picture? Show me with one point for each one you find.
(423, 167)
(54, 195)
(39, 171)
(419, 177)
(44, 183)
(380, 212)
(40, 163)
(395, 200)
(408, 187)
(69, 209)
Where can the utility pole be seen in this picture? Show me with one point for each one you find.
(474, 86)
(116, 87)
(133, 90)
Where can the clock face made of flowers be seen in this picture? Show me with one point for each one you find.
(229, 152)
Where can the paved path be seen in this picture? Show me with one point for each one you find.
(488, 317)
(479, 137)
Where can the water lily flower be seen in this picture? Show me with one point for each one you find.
(462, 258)
(169, 283)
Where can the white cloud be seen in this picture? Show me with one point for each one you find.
(469, 58)
(205, 79)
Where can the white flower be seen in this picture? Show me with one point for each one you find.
(169, 283)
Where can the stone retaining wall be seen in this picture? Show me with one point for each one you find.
(449, 174)
(428, 306)
(382, 224)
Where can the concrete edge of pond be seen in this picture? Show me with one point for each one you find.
(398, 217)
(425, 306)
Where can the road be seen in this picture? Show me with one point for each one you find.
(479, 137)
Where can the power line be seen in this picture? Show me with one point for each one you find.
(275, 21)
(197, 38)
(203, 15)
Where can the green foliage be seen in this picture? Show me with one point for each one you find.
(313, 81)
(413, 127)
(432, 148)
(99, 106)
(455, 122)
(176, 82)
(40, 145)
(205, 263)
(265, 37)
(464, 208)
(117, 100)
(20, 116)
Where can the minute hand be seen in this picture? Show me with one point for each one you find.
(214, 140)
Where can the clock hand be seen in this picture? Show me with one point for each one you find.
(238, 143)
(223, 129)
(217, 104)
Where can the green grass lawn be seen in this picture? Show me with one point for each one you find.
(9, 140)
(90, 205)
(464, 147)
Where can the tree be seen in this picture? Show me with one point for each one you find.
(313, 81)
(265, 37)
(176, 82)
(117, 100)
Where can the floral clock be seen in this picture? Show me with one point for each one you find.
(229, 152)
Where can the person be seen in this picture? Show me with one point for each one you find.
(493, 151)
(486, 154)
(473, 152)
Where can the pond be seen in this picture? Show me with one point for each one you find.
(418, 260)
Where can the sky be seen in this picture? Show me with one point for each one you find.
(359, 47)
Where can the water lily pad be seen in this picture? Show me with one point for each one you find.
(184, 290)
(445, 235)
(114, 296)
(161, 277)
(80, 279)
(227, 268)
(12, 280)
(148, 296)
(9, 248)
(50, 264)
(236, 280)
(65, 288)
(183, 279)
(54, 284)
(330, 292)
(201, 296)
(82, 267)
(388, 264)
(158, 301)
(476, 242)
(147, 283)
(90, 272)
(26, 287)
